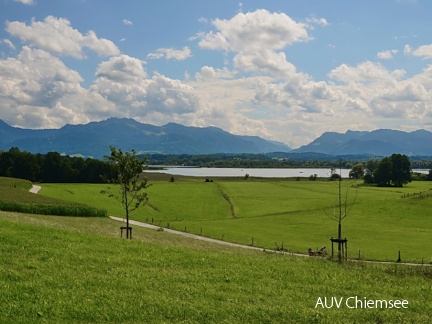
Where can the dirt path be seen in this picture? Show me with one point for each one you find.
(194, 236)
(35, 189)
(207, 239)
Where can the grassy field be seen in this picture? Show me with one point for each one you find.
(77, 270)
(15, 196)
(381, 222)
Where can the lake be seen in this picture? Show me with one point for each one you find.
(259, 172)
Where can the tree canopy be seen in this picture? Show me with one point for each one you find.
(394, 170)
(53, 167)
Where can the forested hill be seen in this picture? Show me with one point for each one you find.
(94, 139)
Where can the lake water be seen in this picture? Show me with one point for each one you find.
(262, 173)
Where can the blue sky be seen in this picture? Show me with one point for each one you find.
(283, 70)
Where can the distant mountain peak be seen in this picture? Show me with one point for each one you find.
(382, 142)
(94, 139)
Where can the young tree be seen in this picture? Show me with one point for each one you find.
(132, 194)
(343, 211)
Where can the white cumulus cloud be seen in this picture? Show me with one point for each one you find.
(9, 43)
(171, 54)
(39, 90)
(56, 35)
(424, 51)
(255, 30)
(123, 81)
(257, 39)
(386, 55)
(26, 2)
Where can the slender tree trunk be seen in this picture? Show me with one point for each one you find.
(127, 211)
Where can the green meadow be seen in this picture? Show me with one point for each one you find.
(14, 196)
(77, 270)
(59, 269)
(270, 212)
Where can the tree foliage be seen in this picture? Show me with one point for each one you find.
(131, 193)
(394, 170)
(53, 167)
(357, 171)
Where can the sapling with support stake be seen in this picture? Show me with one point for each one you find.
(343, 212)
(132, 187)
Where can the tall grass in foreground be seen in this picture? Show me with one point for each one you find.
(59, 276)
(14, 196)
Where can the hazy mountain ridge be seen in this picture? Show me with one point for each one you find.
(94, 139)
(381, 142)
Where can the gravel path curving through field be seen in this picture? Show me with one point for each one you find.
(207, 239)
(35, 189)
(194, 236)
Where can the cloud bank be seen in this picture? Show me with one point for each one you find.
(258, 91)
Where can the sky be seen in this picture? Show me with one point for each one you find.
(284, 70)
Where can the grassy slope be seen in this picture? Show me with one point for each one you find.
(65, 269)
(274, 211)
(15, 196)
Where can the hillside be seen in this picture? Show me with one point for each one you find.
(93, 139)
(70, 270)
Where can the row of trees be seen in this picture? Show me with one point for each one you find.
(394, 170)
(53, 167)
(249, 160)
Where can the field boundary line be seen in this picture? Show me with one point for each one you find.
(216, 241)
(227, 198)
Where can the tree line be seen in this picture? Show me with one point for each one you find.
(249, 160)
(53, 167)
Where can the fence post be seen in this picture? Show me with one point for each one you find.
(399, 257)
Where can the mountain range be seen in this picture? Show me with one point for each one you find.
(381, 142)
(93, 139)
